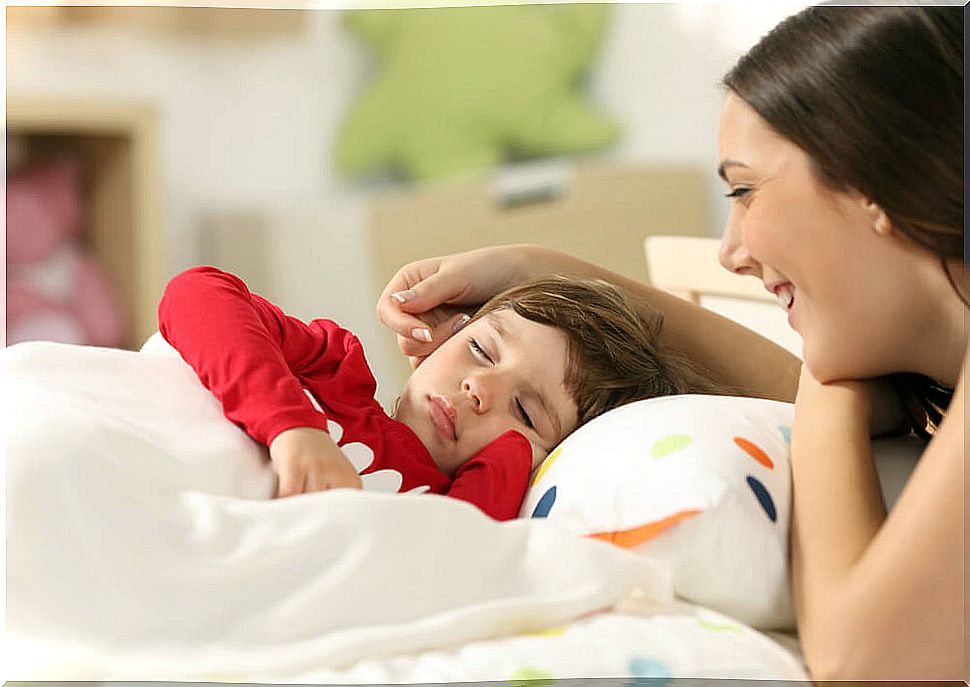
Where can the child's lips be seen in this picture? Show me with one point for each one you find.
(443, 416)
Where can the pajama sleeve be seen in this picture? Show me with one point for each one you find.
(247, 352)
(496, 478)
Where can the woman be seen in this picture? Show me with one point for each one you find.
(841, 144)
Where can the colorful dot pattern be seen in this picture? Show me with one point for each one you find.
(754, 451)
(649, 672)
(758, 489)
(669, 444)
(785, 433)
(666, 447)
(764, 498)
(546, 464)
(637, 535)
(528, 676)
(548, 632)
(545, 503)
(718, 627)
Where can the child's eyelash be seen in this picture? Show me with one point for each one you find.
(739, 192)
(478, 350)
(525, 416)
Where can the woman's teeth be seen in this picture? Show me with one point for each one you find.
(785, 297)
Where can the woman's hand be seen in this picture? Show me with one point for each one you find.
(307, 459)
(811, 390)
(427, 301)
(876, 397)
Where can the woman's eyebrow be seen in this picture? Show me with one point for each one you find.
(725, 164)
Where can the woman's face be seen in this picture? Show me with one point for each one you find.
(824, 254)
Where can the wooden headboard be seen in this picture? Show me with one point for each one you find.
(688, 267)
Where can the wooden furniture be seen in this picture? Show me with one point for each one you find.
(688, 267)
(116, 143)
(218, 20)
(597, 212)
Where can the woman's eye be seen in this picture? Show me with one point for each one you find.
(739, 192)
(524, 415)
(478, 351)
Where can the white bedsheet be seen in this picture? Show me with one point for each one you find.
(142, 545)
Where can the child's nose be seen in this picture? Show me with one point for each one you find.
(478, 393)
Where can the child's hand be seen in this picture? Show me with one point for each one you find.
(307, 459)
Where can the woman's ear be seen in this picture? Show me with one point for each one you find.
(881, 223)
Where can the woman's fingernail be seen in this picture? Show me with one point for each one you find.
(465, 319)
(422, 335)
(402, 296)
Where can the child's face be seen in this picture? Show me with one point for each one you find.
(500, 372)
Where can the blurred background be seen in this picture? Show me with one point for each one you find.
(314, 151)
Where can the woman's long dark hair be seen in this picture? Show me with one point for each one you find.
(874, 96)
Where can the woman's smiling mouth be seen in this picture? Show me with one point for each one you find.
(784, 293)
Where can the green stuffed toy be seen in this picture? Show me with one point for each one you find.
(466, 88)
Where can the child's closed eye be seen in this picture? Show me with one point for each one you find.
(524, 415)
(479, 352)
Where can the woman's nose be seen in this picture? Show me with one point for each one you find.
(732, 254)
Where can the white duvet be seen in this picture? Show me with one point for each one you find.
(142, 544)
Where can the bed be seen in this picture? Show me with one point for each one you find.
(142, 544)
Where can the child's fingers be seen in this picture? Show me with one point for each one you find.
(345, 477)
(291, 483)
(346, 482)
(331, 477)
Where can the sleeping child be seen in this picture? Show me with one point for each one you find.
(472, 421)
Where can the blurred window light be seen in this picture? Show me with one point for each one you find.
(735, 26)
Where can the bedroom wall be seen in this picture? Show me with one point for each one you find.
(246, 125)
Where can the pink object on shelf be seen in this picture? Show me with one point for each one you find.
(56, 290)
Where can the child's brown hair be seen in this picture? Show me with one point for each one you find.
(613, 347)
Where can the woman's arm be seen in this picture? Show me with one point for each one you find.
(732, 354)
(877, 597)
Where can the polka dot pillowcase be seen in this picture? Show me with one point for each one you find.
(701, 482)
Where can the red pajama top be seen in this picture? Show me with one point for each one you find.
(273, 372)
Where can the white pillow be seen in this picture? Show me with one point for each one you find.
(701, 482)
